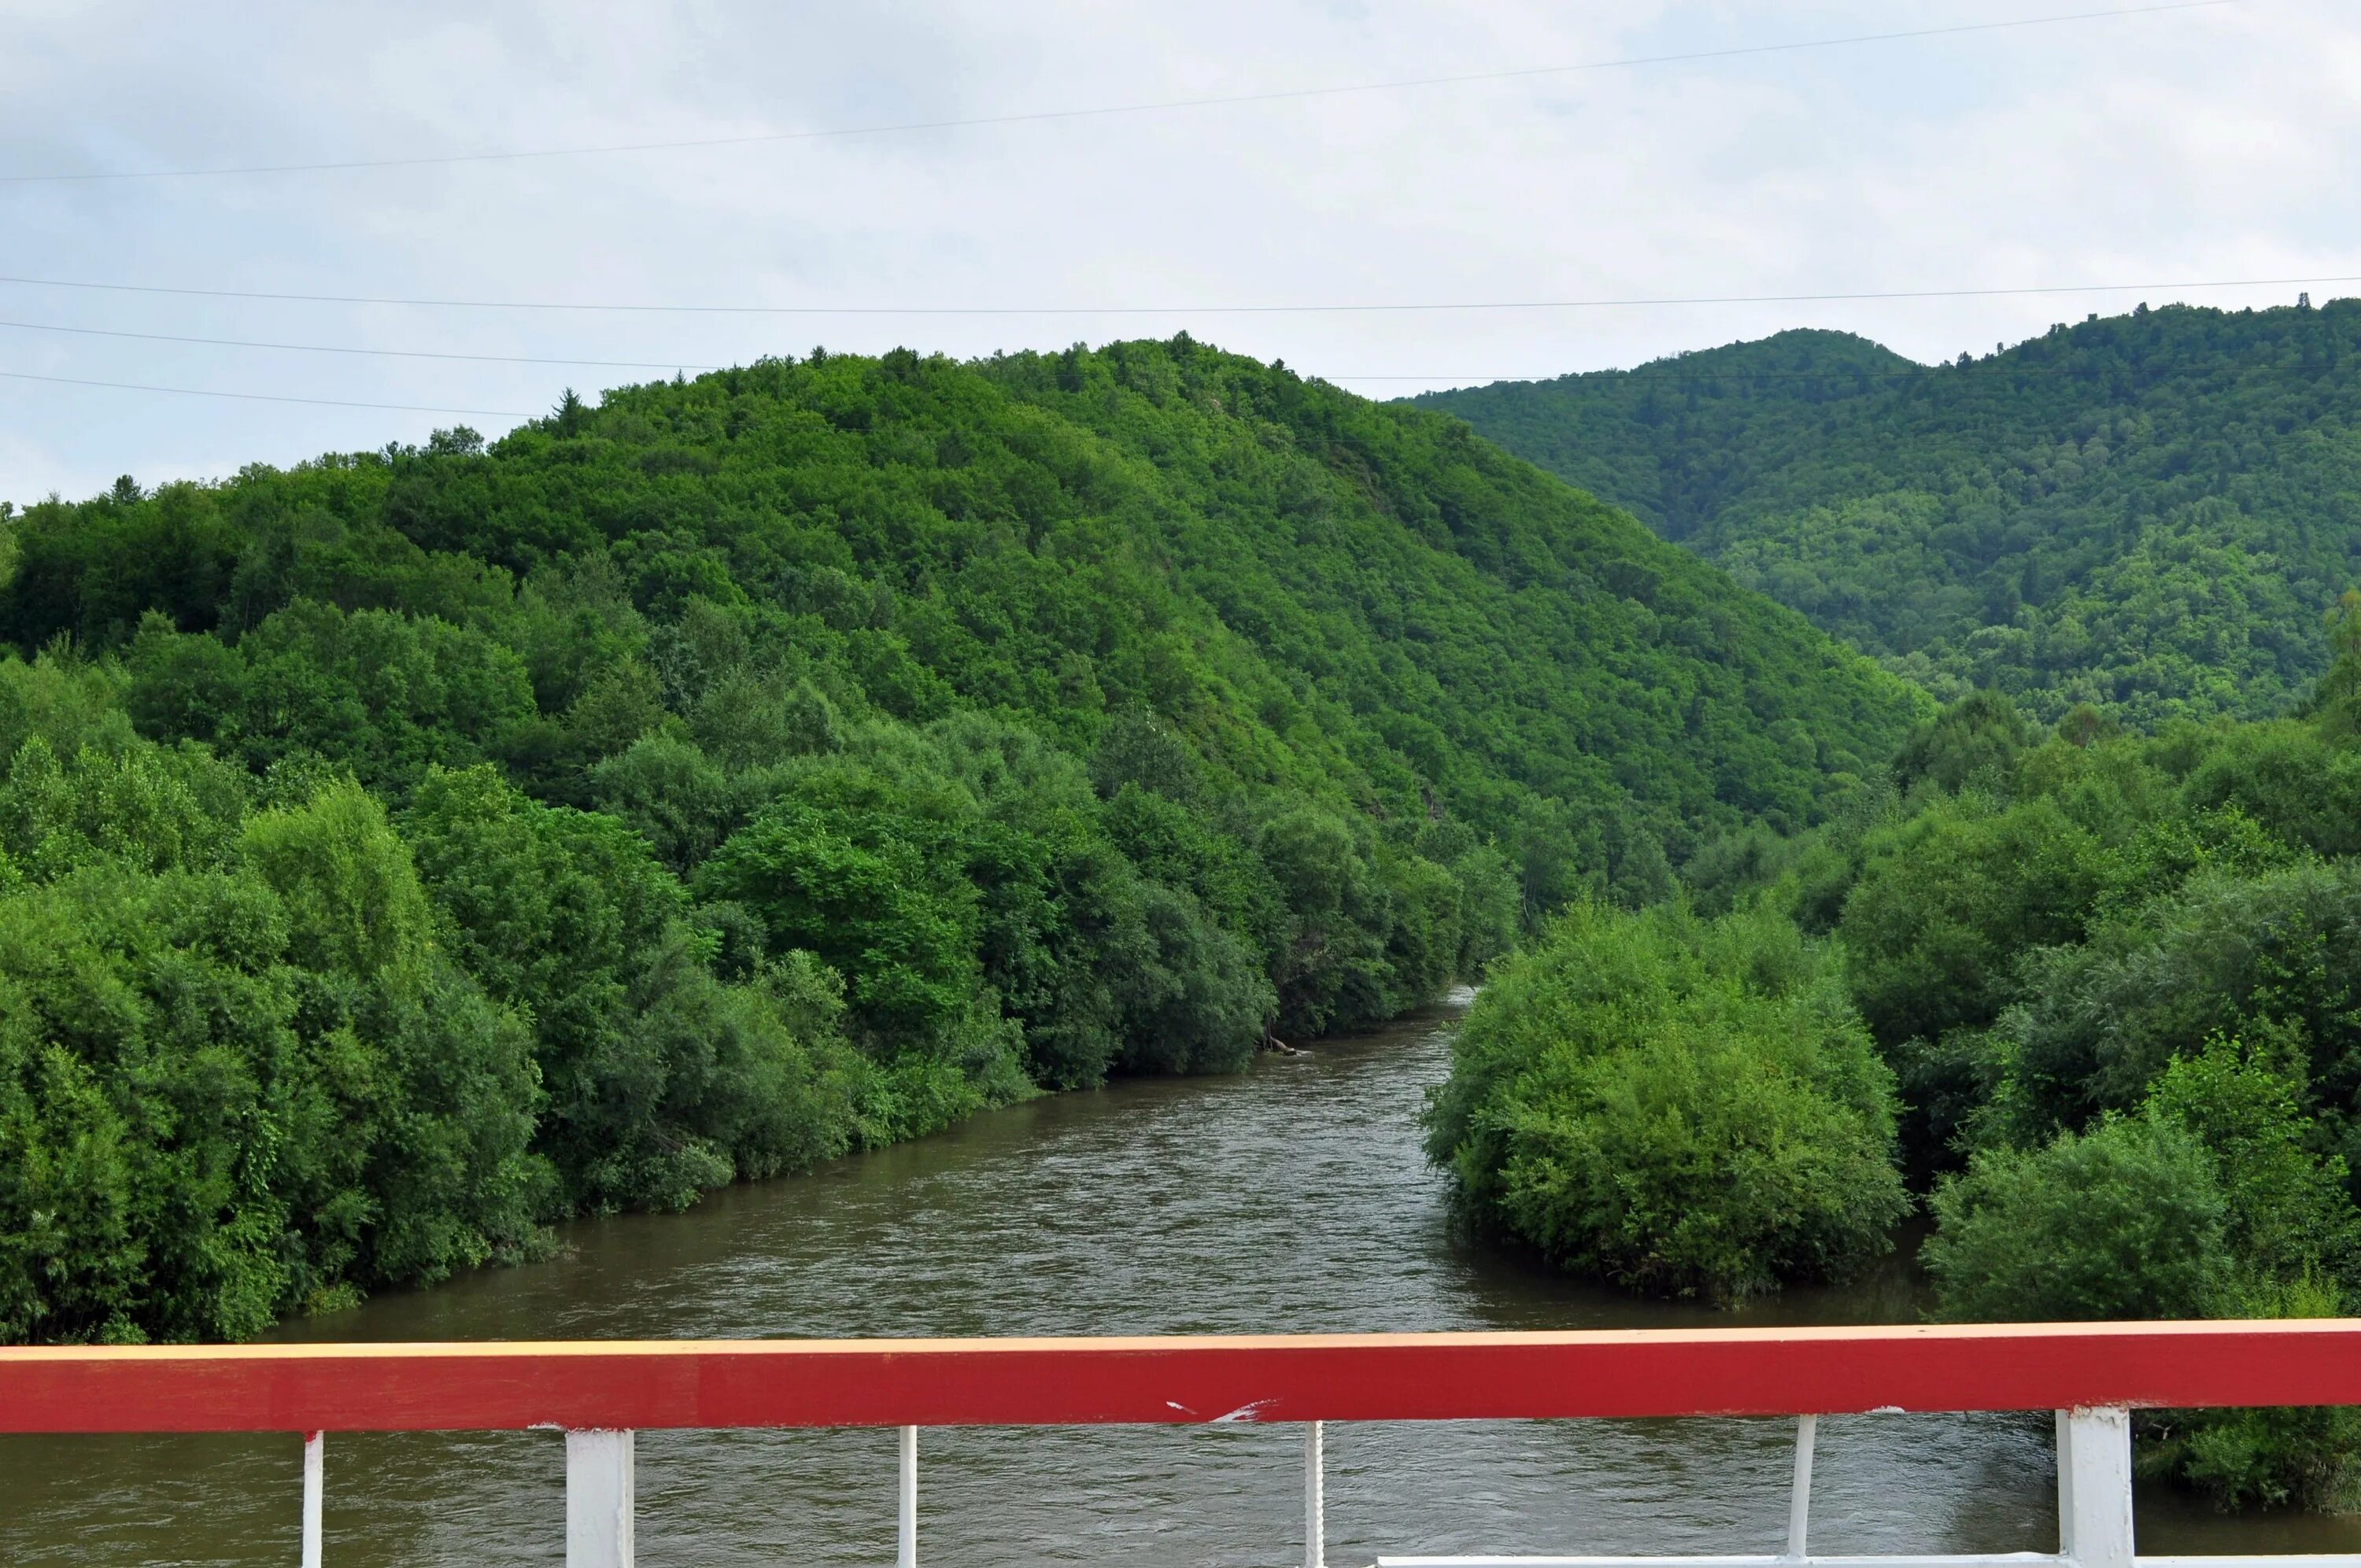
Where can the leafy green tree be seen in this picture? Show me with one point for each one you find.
(1977, 738)
(2288, 778)
(662, 1082)
(2279, 952)
(1197, 1002)
(1674, 1106)
(1331, 971)
(2209, 1202)
(232, 1090)
(1946, 900)
(456, 1181)
(862, 881)
(2126, 1221)
(381, 694)
(2287, 1214)
(2337, 699)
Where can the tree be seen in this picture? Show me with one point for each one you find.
(2126, 1221)
(1675, 1105)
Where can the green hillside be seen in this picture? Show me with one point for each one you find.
(2150, 512)
(404, 850)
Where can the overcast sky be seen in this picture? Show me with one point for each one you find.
(2207, 144)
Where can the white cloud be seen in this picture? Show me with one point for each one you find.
(2200, 144)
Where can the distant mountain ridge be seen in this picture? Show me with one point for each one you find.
(2150, 512)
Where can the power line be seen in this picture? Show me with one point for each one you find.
(1165, 105)
(339, 348)
(261, 397)
(1637, 302)
(1460, 380)
(1452, 379)
(1940, 368)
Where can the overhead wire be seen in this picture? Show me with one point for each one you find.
(1693, 377)
(1162, 106)
(1988, 365)
(263, 397)
(1940, 368)
(1630, 303)
(346, 348)
(1459, 379)
(1366, 307)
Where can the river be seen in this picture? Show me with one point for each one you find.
(1290, 1198)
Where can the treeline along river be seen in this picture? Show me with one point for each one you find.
(1290, 1198)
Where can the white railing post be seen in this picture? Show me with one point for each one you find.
(905, 1554)
(315, 1486)
(2094, 1486)
(1315, 1500)
(1799, 1498)
(598, 1500)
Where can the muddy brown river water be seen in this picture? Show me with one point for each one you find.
(1290, 1198)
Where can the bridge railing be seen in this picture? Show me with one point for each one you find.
(598, 1393)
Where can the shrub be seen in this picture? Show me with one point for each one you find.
(2126, 1221)
(1946, 901)
(1674, 1106)
(230, 1093)
(2206, 1203)
(2306, 1456)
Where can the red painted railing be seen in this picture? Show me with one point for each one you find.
(599, 1392)
(1044, 1382)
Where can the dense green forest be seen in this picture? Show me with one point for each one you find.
(2096, 994)
(405, 850)
(2148, 513)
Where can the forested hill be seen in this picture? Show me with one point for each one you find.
(2151, 512)
(403, 850)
